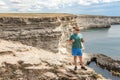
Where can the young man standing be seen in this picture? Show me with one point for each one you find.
(76, 39)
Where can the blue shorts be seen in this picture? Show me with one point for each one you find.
(76, 51)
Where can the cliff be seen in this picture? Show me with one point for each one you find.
(41, 35)
(48, 31)
(22, 62)
(38, 30)
(108, 63)
(115, 20)
(96, 21)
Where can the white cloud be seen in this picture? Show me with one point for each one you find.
(84, 2)
(109, 0)
(90, 2)
(2, 3)
(3, 6)
(55, 4)
(87, 2)
(16, 1)
(38, 5)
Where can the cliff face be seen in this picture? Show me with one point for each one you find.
(115, 20)
(41, 32)
(48, 31)
(91, 21)
(108, 63)
(18, 61)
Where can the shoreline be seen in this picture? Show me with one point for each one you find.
(49, 34)
(20, 61)
(105, 62)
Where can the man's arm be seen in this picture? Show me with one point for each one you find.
(82, 43)
(82, 40)
(71, 39)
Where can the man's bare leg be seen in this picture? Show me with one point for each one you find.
(75, 62)
(81, 63)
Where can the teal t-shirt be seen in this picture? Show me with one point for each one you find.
(77, 38)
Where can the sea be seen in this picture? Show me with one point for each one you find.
(103, 41)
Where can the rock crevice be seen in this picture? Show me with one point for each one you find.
(108, 63)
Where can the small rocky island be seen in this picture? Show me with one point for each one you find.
(33, 47)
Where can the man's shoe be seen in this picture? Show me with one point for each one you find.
(84, 68)
(75, 68)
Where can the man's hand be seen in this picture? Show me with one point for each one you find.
(72, 40)
(82, 40)
(83, 48)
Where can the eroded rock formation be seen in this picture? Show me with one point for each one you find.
(107, 63)
(22, 62)
(42, 32)
(48, 31)
(92, 21)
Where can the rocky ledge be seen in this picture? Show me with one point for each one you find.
(108, 63)
(47, 32)
(21, 62)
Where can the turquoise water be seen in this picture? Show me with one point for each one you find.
(105, 41)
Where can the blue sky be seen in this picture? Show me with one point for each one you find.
(94, 7)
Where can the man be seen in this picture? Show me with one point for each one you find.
(76, 39)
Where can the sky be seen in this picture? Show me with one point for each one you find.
(92, 7)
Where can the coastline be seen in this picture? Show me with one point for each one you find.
(30, 31)
(18, 61)
(105, 62)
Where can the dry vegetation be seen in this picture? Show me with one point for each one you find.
(34, 14)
